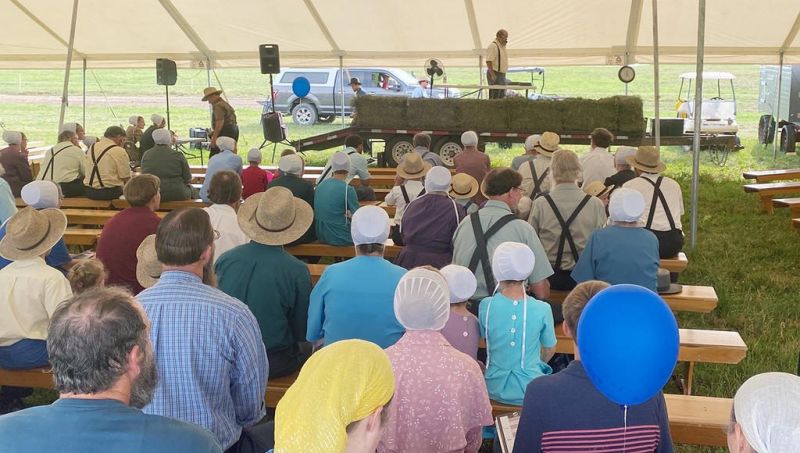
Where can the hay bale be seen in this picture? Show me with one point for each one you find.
(434, 114)
(381, 111)
(534, 117)
(483, 114)
(630, 115)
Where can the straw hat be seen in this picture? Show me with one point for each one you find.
(413, 167)
(548, 144)
(210, 91)
(30, 233)
(463, 186)
(596, 189)
(647, 159)
(148, 268)
(275, 217)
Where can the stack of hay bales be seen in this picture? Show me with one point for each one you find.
(620, 114)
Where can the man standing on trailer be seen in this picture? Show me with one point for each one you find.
(223, 118)
(497, 63)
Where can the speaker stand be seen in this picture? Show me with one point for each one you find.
(166, 88)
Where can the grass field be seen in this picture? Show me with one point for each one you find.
(751, 259)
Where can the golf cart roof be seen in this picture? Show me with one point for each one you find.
(709, 75)
(535, 69)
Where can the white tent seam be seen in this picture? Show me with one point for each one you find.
(473, 24)
(792, 34)
(44, 26)
(187, 29)
(634, 23)
(323, 27)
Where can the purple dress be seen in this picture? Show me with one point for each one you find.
(463, 333)
(429, 223)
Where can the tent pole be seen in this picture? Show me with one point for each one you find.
(656, 93)
(341, 84)
(208, 84)
(65, 91)
(84, 94)
(778, 108)
(698, 111)
(480, 75)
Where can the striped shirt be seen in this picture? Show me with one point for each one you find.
(212, 365)
(564, 412)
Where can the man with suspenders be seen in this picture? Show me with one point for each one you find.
(410, 171)
(354, 147)
(663, 198)
(65, 165)
(497, 63)
(536, 173)
(565, 217)
(107, 166)
(480, 233)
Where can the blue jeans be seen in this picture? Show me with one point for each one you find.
(24, 354)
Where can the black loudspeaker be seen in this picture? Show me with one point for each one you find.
(270, 58)
(166, 72)
(273, 127)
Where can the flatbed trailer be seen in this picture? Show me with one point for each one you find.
(448, 143)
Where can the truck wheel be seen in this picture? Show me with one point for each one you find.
(326, 119)
(447, 148)
(396, 148)
(304, 114)
(788, 138)
(766, 129)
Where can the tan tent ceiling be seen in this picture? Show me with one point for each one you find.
(132, 33)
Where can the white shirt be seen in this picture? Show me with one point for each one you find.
(494, 51)
(598, 164)
(540, 164)
(30, 291)
(395, 197)
(672, 193)
(223, 219)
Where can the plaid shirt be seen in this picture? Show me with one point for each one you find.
(212, 364)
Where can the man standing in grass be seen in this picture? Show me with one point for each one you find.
(223, 118)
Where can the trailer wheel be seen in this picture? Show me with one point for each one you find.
(447, 148)
(397, 147)
(788, 138)
(766, 129)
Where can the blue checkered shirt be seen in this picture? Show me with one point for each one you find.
(212, 364)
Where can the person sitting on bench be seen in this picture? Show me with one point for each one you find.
(462, 329)
(30, 291)
(225, 159)
(410, 173)
(133, 135)
(14, 158)
(8, 205)
(170, 166)
(765, 416)
(565, 217)
(335, 203)
(106, 332)
(354, 150)
(108, 166)
(291, 167)
(86, 274)
(624, 172)
(65, 165)
(530, 152)
(478, 235)
(440, 400)
(598, 163)
(565, 409)
(146, 141)
(462, 188)
(472, 161)
(536, 173)
(225, 192)
(518, 329)
(663, 200)
(623, 252)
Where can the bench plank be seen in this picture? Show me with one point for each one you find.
(96, 217)
(348, 251)
(772, 175)
(77, 203)
(81, 236)
(766, 191)
(36, 378)
(696, 299)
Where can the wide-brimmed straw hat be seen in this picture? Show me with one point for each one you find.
(548, 144)
(275, 217)
(463, 186)
(210, 91)
(148, 268)
(413, 167)
(597, 189)
(647, 159)
(30, 233)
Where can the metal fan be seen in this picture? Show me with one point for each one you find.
(434, 68)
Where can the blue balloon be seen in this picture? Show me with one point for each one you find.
(301, 87)
(628, 342)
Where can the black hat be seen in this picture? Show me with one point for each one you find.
(355, 81)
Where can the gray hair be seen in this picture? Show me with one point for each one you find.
(565, 166)
(66, 136)
(90, 337)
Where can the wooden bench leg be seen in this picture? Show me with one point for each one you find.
(766, 204)
(687, 389)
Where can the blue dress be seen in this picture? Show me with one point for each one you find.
(515, 331)
(618, 255)
(332, 198)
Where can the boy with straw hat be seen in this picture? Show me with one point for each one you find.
(410, 172)
(462, 188)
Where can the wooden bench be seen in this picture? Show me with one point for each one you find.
(677, 264)
(165, 206)
(696, 299)
(766, 191)
(40, 378)
(796, 224)
(792, 203)
(276, 388)
(347, 251)
(81, 236)
(94, 217)
(76, 203)
(772, 175)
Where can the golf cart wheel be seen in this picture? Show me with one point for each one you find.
(304, 114)
(326, 119)
(766, 129)
(396, 148)
(788, 138)
(447, 148)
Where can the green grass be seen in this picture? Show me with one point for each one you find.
(750, 258)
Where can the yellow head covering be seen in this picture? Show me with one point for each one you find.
(340, 384)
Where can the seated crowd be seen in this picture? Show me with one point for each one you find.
(166, 341)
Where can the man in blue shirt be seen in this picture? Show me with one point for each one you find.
(226, 159)
(564, 411)
(335, 202)
(355, 299)
(105, 331)
(209, 351)
(421, 91)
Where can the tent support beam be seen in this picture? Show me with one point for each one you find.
(43, 26)
(792, 34)
(341, 85)
(322, 27)
(698, 112)
(778, 108)
(187, 29)
(656, 92)
(65, 91)
(84, 94)
(634, 22)
(208, 84)
(473, 24)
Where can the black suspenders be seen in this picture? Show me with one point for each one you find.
(658, 196)
(95, 169)
(566, 234)
(537, 180)
(481, 253)
(404, 192)
(51, 165)
(328, 170)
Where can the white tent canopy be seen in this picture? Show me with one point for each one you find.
(111, 33)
